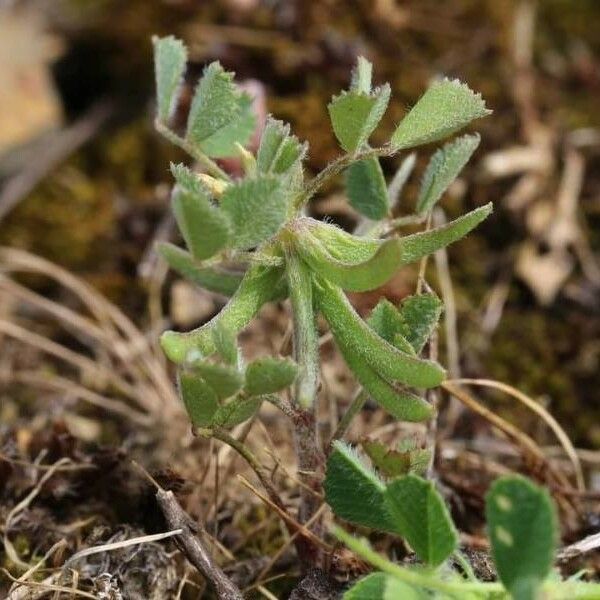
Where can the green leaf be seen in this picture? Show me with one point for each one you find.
(446, 107)
(225, 344)
(213, 279)
(257, 209)
(239, 409)
(278, 150)
(226, 141)
(205, 229)
(199, 398)
(356, 263)
(225, 380)
(379, 586)
(522, 525)
(340, 244)
(419, 317)
(386, 321)
(354, 491)
(354, 115)
(356, 277)
(269, 375)
(396, 400)
(188, 180)
(395, 462)
(409, 506)
(351, 331)
(420, 514)
(416, 246)
(443, 169)
(170, 57)
(366, 188)
(260, 285)
(219, 115)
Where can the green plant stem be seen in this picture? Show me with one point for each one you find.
(431, 579)
(355, 407)
(306, 353)
(422, 579)
(306, 341)
(336, 167)
(210, 165)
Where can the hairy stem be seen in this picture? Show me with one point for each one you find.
(336, 167)
(210, 165)
(306, 341)
(306, 352)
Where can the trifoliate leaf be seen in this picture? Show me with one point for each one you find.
(220, 115)
(408, 506)
(386, 321)
(205, 229)
(379, 586)
(212, 279)
(366, 188)
(419, 315)
(278, 150)
(446, 107)
(354, 491)
(225, 344)
(522, 526)
(260, 284)
(420, 514)
(257, 209)
(170, 57)
(355, 115)
(237, 410)
(269, 375)
(393, 462)
(443, 168)
(351, 331)
(199, 398)
(225, 380)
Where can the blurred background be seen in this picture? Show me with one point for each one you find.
(85, 185)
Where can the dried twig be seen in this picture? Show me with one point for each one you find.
(193, 549)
